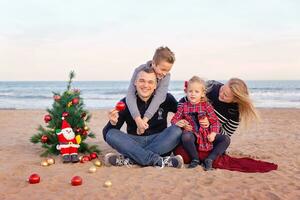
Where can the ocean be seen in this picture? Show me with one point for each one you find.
(105, 94)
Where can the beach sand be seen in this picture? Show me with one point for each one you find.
(275, 139)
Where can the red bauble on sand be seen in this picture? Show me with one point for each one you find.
(65, 114)
(44, 139)
(47, 118)
(56, 97)
(75, 100)
(34, 178)
(85, 133)
(93, 155)
(85, 159)
(120, 106)
(76, 180)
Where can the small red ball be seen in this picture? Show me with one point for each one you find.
(76, 180)
(34, 178)
(79, 130)
(120, 106)
(85, 159)
(65, 114)
(93, 155)
(44, 138)
(47, 118)
(56, 97)
(75, 100)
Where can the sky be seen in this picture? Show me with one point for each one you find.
(105, 40)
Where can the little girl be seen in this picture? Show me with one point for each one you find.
(188, 116)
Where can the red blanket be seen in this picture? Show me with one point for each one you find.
(234, 164)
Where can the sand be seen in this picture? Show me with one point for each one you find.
(275, 139)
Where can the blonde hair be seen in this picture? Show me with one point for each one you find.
(197, 79)
(247, 111)
(163, 53)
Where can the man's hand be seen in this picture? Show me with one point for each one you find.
(204, 122)
(211, 137)
(113, 117)
(141, 125)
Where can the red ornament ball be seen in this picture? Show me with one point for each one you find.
(85, 133)
(44, 138)
(75, 100)
(56, 97)
(76, 180)
(65, 114)
(79, 130)
(93, 155)
(120, 106)
(34, 178)
(47, 118)
(85, 159)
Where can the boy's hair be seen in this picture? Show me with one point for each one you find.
(197, 79)
(163, 53)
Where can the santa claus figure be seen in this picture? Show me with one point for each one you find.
(68, 145)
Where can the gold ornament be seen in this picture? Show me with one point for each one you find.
(92, 169)
(50, 161)
(86, 128)
(44, 163)
(97, 163)
(69, 104)
(107, 184)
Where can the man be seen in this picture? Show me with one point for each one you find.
(144, 149)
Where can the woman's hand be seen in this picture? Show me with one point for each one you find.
(211, 137)
(204, 122)
(113, 116)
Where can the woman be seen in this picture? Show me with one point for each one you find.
(233, 107)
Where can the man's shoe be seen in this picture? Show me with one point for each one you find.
(172, 161)
(66, 158)
(116, 160)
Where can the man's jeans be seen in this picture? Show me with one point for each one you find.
(144, 150)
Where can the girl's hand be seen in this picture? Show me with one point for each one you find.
(211, 137)
(204, 122)
(113, 116)
(182, 123)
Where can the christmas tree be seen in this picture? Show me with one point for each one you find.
(68, 107)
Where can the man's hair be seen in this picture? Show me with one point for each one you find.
(148, 70)
(163, 54)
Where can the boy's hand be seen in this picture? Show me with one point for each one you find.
(141, 125)
(204, 122)
(113, 117)
(211, 137)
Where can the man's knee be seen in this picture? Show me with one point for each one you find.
(227, 139)
(112, 136)
(175, 130)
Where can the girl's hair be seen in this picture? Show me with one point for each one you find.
(240, 92)
(197, 79)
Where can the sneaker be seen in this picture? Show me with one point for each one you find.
(172, 161)
(208, 164)
(66, 158)
(116, 160)
(74, 158)
(194, 163)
